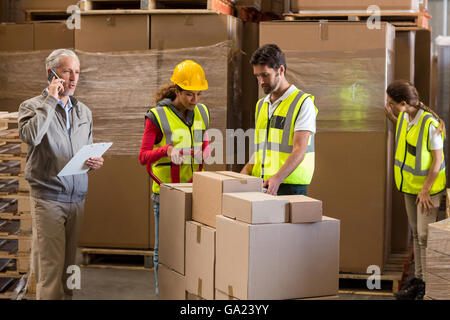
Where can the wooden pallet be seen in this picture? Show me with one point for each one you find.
(9, 186)
(152, 6)
(394, 271)
(14, 264)
(10, 151)
(117, 258)
(398, 19)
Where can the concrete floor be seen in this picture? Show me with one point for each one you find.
(113, 284)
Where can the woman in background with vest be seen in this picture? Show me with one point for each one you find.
(419, 170)
(175, 140)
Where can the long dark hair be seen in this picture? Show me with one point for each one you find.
(167, 91)
(401, 90)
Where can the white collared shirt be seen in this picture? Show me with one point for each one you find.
(306, 119)
(434, 140)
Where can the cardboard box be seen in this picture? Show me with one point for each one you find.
(200, 259)
(208, 188)
(172, 285)
(53, 35)
(404, 55)
(255, 207)
(303, 209)
(329, 62)
(16, 37)
(206, 29)
(277, 261)
(353, 5)
(104, 33)
(122, 216)
(175, 207)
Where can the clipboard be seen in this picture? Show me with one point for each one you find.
(77, 165)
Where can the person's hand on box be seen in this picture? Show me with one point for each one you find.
(272, 184)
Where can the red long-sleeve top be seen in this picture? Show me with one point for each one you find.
(153, 135)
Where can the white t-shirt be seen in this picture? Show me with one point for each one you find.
(434, 140)
(306, 119)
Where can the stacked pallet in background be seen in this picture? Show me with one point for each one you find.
(214, 40)
(15, 216)
(437, 276)
(207, 38)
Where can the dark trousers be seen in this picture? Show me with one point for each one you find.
(288, 189)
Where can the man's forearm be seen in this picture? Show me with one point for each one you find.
(33, 125)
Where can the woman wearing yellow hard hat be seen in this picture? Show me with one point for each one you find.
(175, 142)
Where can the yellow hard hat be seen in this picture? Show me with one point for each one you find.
(189, 75)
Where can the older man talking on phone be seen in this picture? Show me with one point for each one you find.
(55, 126)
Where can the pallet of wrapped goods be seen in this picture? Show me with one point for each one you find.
(437, 275)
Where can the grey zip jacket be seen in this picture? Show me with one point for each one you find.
(42, 125)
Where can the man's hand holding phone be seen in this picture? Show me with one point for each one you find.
(56, 85)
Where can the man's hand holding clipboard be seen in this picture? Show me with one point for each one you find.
(87, 158)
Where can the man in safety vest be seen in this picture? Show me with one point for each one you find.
(285, 127)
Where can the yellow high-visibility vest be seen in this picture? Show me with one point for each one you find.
(274, 140)
(184, 138)
(413, 157)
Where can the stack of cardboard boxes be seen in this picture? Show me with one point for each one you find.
(437, 277)
(242, 243)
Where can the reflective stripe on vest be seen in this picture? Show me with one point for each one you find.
(185, 139)
(408, 178)
(277, 143)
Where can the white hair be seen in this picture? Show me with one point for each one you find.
(52, 60)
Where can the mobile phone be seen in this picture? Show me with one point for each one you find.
(52, 75)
